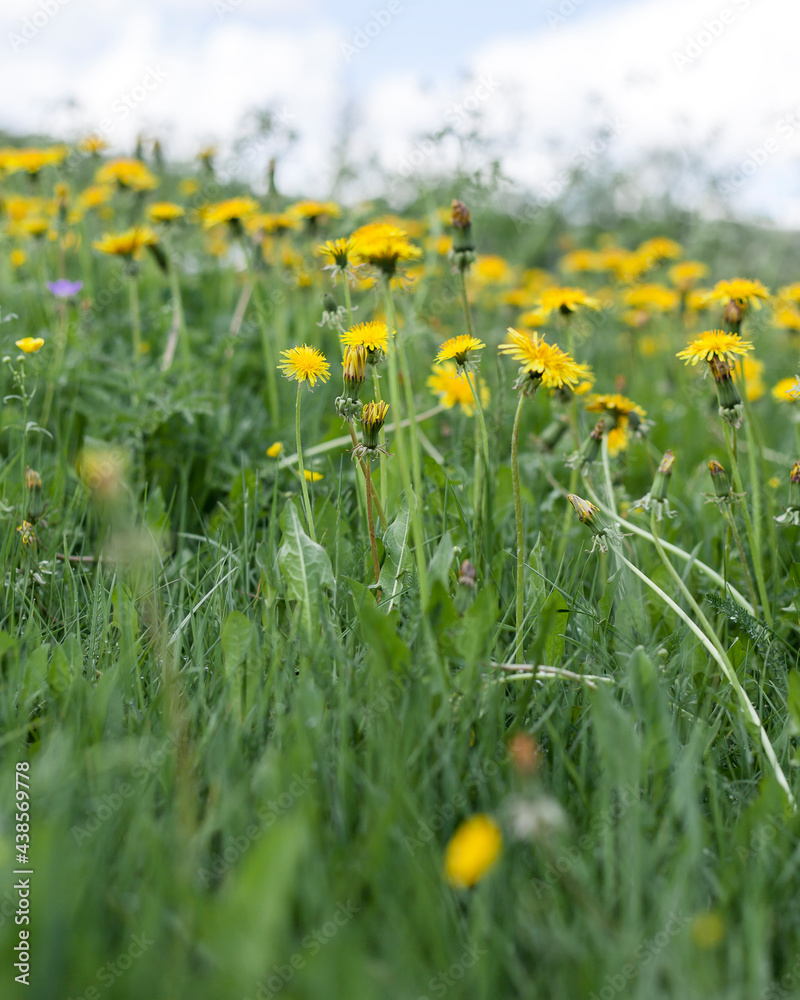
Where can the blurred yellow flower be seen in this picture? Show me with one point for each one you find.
(312, 477)
(686, 274)
(275, 449)
(473, 850)
(566, 301)
(452, 388)
(165, 211)
(787, 389)
(130, 174)
(127, 244)
(232, 210)
(18, 258)
(30, 345)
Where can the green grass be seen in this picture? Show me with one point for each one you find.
(244, 773)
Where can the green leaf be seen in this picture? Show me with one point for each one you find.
(396, 540)
(304, 565)
(237, 635)
(794, 701)
(476, 635)
(442, 560)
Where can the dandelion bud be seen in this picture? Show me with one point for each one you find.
(463, 245)
(524, 752)
(719, 479)
(329, 303)
(372, 419)
(587, 512)
(730, 402)
(33, 481)
(791, 514)
(353, 374)
(662, 476)
(467, 574)
(733, 312)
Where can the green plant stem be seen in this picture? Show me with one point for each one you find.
(394, 390)
(376, 387)
(306, 501)
(710, 640)
(408, 391)
(371, 522)
(481, 467)
(607, 475)
(755, 553)
(266, 348)
(520, 530)
(378, 506)
(712, 574)
(136, 330)
(745, 569)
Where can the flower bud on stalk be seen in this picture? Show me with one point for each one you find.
(590, 448)
(603, 531)
(657, 497)
(730, 402)
(463, 246)
(791, 514)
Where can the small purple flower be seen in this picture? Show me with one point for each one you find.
(64, 289)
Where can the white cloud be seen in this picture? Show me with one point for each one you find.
(671, 74)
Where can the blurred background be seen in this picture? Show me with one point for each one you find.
(697, 100)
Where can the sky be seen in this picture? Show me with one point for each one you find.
(540, 81)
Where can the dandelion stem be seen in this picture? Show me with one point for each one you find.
(394, 347)
(712, 574)
(482, 467)
(136, 329)
(378, 506)
(755, 553)
(710, 640)
(306, 501)
(743, 558)
(371, 521)
(520, 530)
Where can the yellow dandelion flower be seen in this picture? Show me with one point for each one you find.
(127, 244)
(491, 269)
(686, 274)
(305, 364)
(18, 258)
(787, 389)
(473, 850)
(457, 348)
(30, 345)
(742, 291)
(336, 253)
(32, 161)
(787, 317)
(26, 531)
(131, 174)
(753, 378)
(373, 335)
(652, 298)
(275, 449)
(565, 300)
(165, 211)
(92, 144)
(94, 196)
(189, 186)
(384, 245)
(232, 211)
(313, 210)
(623, 413)
(533, 318)
(659, 248)
(553, 367)
(453, 388)
(714, 344)
(582, 260)
(312, 477)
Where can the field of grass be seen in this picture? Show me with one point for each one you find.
(233, 760)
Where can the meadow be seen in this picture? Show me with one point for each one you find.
(398, 601)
